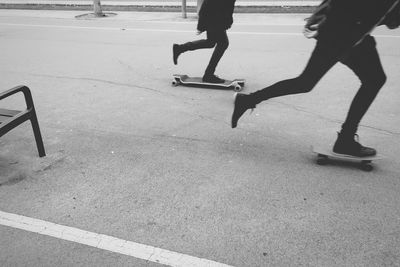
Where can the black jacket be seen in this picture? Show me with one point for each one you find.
(345, 22)
(216, 15)
(392, 19)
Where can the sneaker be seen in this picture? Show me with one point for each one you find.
(212, 79)
(240, 105)
(175, 52)
(351, 147)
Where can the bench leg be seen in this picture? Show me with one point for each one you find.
(38, 136)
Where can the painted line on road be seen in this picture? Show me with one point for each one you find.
(104, 242)
(164, 30)
(89, 28)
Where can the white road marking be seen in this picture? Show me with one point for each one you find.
(105, 242)
(164, 30)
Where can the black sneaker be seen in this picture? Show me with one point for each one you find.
(351, 147)
(175, 52)
(240, 105)
(212, 79)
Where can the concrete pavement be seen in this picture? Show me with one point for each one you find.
(131, 157)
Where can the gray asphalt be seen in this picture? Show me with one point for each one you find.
(129, 155)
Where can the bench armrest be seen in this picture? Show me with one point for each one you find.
(21, 88)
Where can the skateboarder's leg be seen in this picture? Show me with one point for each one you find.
(222, 43)
(365, 62)
(191, 46)
(323, 58)
(199, 44)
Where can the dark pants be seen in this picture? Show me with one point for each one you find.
(363, 59)
(217, 38)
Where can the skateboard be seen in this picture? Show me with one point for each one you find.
(236, 84)
(325, 154)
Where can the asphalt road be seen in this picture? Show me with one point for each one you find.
(132, 157)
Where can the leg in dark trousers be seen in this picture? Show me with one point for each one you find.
(191, 46)
(363, 59)
(199, 44)
(217, 38)
(365, 63)
(322, 59)
(222, 43)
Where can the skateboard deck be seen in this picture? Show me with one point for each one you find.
(324, 154)
(236, 84)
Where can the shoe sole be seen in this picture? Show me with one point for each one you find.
(351, 156)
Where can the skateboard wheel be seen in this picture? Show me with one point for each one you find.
(237, 88)
(174, 83)
(366, 167)
(322, 160)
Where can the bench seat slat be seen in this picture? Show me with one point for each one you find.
(8, 112)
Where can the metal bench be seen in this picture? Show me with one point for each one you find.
(9, 119)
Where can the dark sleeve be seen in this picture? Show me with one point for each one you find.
(323, 8)
(319, 15)
(230, 12)
(203, 13)
(231, 7)
(227, 7)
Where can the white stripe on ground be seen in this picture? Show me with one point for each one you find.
(104, 242)
(165, 30)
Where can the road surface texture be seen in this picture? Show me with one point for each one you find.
(133, 162)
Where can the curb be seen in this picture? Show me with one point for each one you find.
(158, 8)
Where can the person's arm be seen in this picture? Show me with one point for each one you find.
(230, 11)
(317, 19)
(232, 7)
(203, 16)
